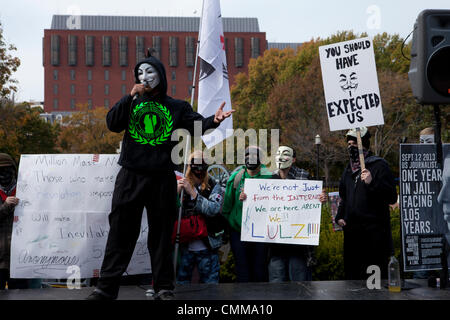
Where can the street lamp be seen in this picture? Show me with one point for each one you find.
(317, 142)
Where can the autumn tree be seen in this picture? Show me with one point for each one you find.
(22, 131)
(8, 65)
(283, 89)
(85, 131)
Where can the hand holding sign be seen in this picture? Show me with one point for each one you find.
(366, 176)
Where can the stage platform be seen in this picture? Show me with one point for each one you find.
(311, 290)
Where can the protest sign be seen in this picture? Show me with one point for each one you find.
(62, 216)
(350, 82)
(421, 215)
(334, 200)
(281, 211)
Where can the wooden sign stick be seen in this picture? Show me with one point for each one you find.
(360, 149)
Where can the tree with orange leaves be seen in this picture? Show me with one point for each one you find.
(85, 131)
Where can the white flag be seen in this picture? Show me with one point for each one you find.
(213, 86)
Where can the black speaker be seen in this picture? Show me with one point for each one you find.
(429, 71)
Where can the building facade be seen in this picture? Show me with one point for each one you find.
(89, 60)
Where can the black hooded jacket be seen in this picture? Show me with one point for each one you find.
(149, 121)
(365, 205)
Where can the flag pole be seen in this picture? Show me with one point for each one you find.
(188, 143)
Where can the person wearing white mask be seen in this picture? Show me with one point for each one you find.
(290, 262)
(148, 117)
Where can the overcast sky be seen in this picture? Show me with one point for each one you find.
(24, 22)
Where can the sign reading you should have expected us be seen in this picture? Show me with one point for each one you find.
(350, 82)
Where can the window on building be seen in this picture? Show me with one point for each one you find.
(156, 42)
(140, 49)
(89, 89)
(106, 89)
(174, 89)
(124, 75)
(255, 47)
(190, 75)
(72, 104)
(190, 90)
(173, 51)
(123, 51)
(89, 104)
(239, 52)
(106, 103)
(106, 51)
(72, 74)
(54, 47)
(124, 89)
(55, 74)
(174, 75)
(89, 74)
(72, 43)
(190, 51)
(89, 45)
(55, 89)
(55, 104)
(72, 89)
(106, 75)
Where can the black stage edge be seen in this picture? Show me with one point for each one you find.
(237, 301)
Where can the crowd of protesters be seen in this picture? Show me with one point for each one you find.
(147, 179)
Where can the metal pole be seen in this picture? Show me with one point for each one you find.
(186, 156)
(317, 171)
(317, 142)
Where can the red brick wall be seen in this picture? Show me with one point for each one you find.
(98, 96)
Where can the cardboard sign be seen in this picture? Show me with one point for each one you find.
(350, 82)
(62, 216)
(421, 214)
(281, 211)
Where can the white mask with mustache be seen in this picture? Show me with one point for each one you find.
(284, 157)
(148, 75)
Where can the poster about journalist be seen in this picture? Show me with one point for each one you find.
(421, 210)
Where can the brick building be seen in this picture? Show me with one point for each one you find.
(91, 61)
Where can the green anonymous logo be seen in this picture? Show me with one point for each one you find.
(150, 123)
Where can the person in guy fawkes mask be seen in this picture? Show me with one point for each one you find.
(363, 212)
(289, 262)
(147, 179)
(250, 257)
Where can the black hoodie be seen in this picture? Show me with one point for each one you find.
(149, 121)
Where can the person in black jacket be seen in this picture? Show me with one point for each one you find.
(364, 210)
(147, 179)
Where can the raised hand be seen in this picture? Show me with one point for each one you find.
(221, 115)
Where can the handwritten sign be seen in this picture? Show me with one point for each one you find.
(422, 219)
(62, 216)
(350, 84)
(281, 211)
